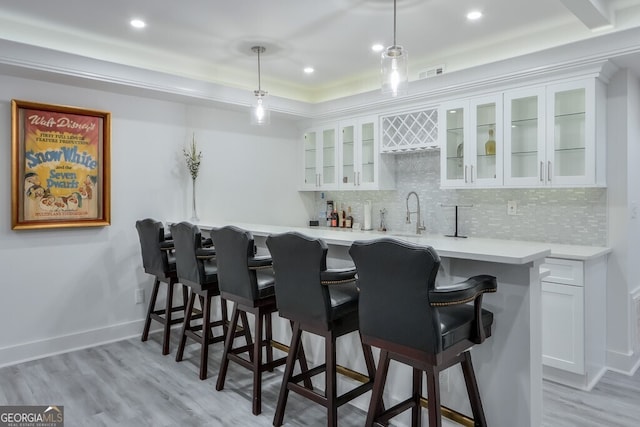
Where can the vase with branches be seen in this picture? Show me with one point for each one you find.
(193, 158)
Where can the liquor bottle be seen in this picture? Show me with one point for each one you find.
(349, 220)
(334, 218)
(490, 145)
(341, 217)
(329, 211)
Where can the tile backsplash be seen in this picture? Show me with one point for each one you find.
(569, 216)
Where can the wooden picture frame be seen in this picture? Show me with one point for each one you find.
(61, 166)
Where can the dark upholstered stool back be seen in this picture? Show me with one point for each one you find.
(154, 260)
(188, 239)
(233, 249)
(394, 280)
(299, 262)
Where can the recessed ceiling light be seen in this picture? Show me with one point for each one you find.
(137, 23)
(308, 70)
(377, 48)
(474, 15)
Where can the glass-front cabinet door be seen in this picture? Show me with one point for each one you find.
(570, 134)
(471, 148)
(486, 132)
(358, 154)
(319, 159)
(524, 136)
(454, 170)
(311, 178)
(329, 165)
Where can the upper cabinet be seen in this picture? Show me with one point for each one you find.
(471, 148)
(347, 157)
(320, 159)
(533, 137)
(554, 135)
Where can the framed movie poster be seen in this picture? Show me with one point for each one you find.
(60, 160)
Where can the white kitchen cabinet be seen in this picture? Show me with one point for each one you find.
(361, 166)
(345, 155)
(574, 321)
(554, 135)
(320, 154)
(471, 149)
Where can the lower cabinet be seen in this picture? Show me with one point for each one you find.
(574, 321)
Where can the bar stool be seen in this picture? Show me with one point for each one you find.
(322, 302)
(196, 268)
(427, 328)
(159, 261)
(247, 281)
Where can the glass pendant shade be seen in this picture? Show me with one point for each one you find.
(260, 114)
(394, 71)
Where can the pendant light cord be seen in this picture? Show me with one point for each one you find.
(394, 23)
(259, 87)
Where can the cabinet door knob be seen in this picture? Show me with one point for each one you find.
(465, 174)
(541, 171)
(471, 175)
(549, 171)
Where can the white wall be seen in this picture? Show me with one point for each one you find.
(68, 288)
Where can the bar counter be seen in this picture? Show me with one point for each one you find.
(508, 365)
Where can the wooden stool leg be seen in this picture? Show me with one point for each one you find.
(168, 311)
(416, 416)
(206, 333)
(257, 362)
(150, 309)
(433, 390)
(302, 360)
(247, 333)
(288, 373)
(185, 297)
(472, 390)
(228, 344)
(225, 316)
(268, 332)
(186, 325)
(331, 388)
(376, 403)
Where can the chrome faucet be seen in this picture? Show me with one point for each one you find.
(419, 227)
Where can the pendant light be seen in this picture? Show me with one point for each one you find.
(394, 66)
(260, 114)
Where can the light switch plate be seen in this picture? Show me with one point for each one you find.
(512, 207)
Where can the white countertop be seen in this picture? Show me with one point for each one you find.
(492, 250)
(481, 249)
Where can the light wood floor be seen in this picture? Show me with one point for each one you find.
(129, 383)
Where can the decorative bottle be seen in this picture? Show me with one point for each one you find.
(490, 145)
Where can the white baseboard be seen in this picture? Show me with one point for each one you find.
(63, 344)
(625, 363)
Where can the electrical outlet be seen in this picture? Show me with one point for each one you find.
(139, 296)
(512, 207)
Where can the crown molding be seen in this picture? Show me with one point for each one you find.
(587, 58)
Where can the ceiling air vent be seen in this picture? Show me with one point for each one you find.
(431, 71)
